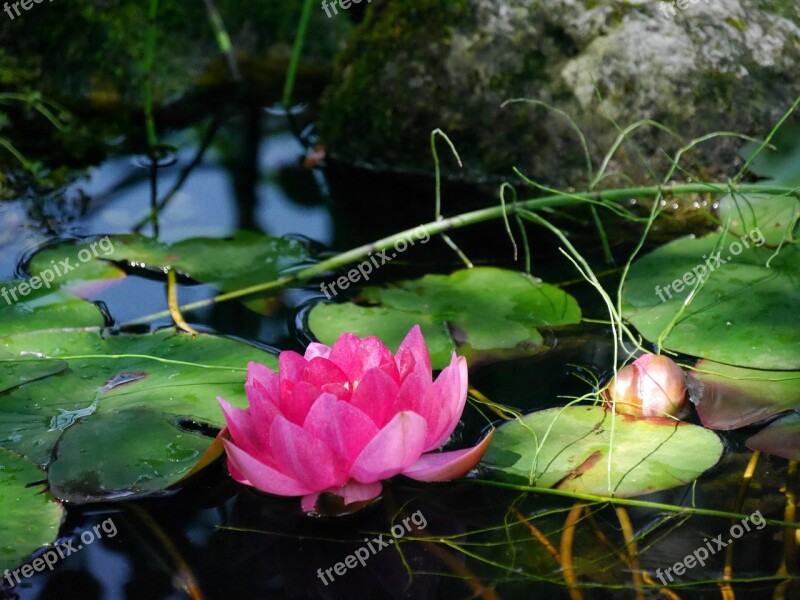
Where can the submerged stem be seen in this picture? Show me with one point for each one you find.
(673, 508)
(633, 552)
(567, 538)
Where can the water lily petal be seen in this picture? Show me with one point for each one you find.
(354, 491)
(304, 456)
(242, 430)
(321, 371)
(268, 381)
(415, 393)
(376, 395)
(395, 448)
(343, 427)
(296, 405)
(443, 466)
(251, 471)
(316, 349)
(412, 350)
(343, 351)
(356, 356)
(351, 492)
(263, 393)
(449, 397)
(291, 365)
(309, 502)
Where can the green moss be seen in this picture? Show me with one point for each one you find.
(354, 108)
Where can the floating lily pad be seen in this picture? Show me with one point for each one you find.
(780, 164)
(244, 260)
(110, 416)
(12, 375)
(729, 397)
(44, 308)
(745, 313)
(568, 449)
(482, 313)
(30, 516)
(137, 394)
(761, 216)
(780, 438)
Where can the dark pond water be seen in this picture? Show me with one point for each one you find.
(217, 539)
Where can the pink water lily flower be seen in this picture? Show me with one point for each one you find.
(344, 418)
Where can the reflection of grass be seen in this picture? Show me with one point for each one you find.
(50, 110)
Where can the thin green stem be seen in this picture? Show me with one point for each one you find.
(673, 508)
(297, 51)
(223, 39)
(16, 154)
(768, 139)
(463, 220)
(149, 60)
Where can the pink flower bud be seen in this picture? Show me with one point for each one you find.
(652, 386)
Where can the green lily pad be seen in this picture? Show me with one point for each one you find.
(483, 313)
(568, 449)
(779, 165)
(12, 375)
(42, 309)
(744, 314)
(761, 216)
(244, 260)
(137, 394)
(110, 416)
(728, 397)
(30, 516)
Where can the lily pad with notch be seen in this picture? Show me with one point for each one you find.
(72, 392)
(463, 311)
(243, 260)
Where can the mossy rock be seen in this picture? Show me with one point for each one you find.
(416, 65)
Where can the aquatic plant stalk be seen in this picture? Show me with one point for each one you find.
(470, 218)
(727, 572)
(567, 537)
(149, 59)
(297, 51)
(540, 537)
(223, 39)
(172, 301)
(633, 552)
(149, 119)
(660, 506)
(790, 514)
(205, 143)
